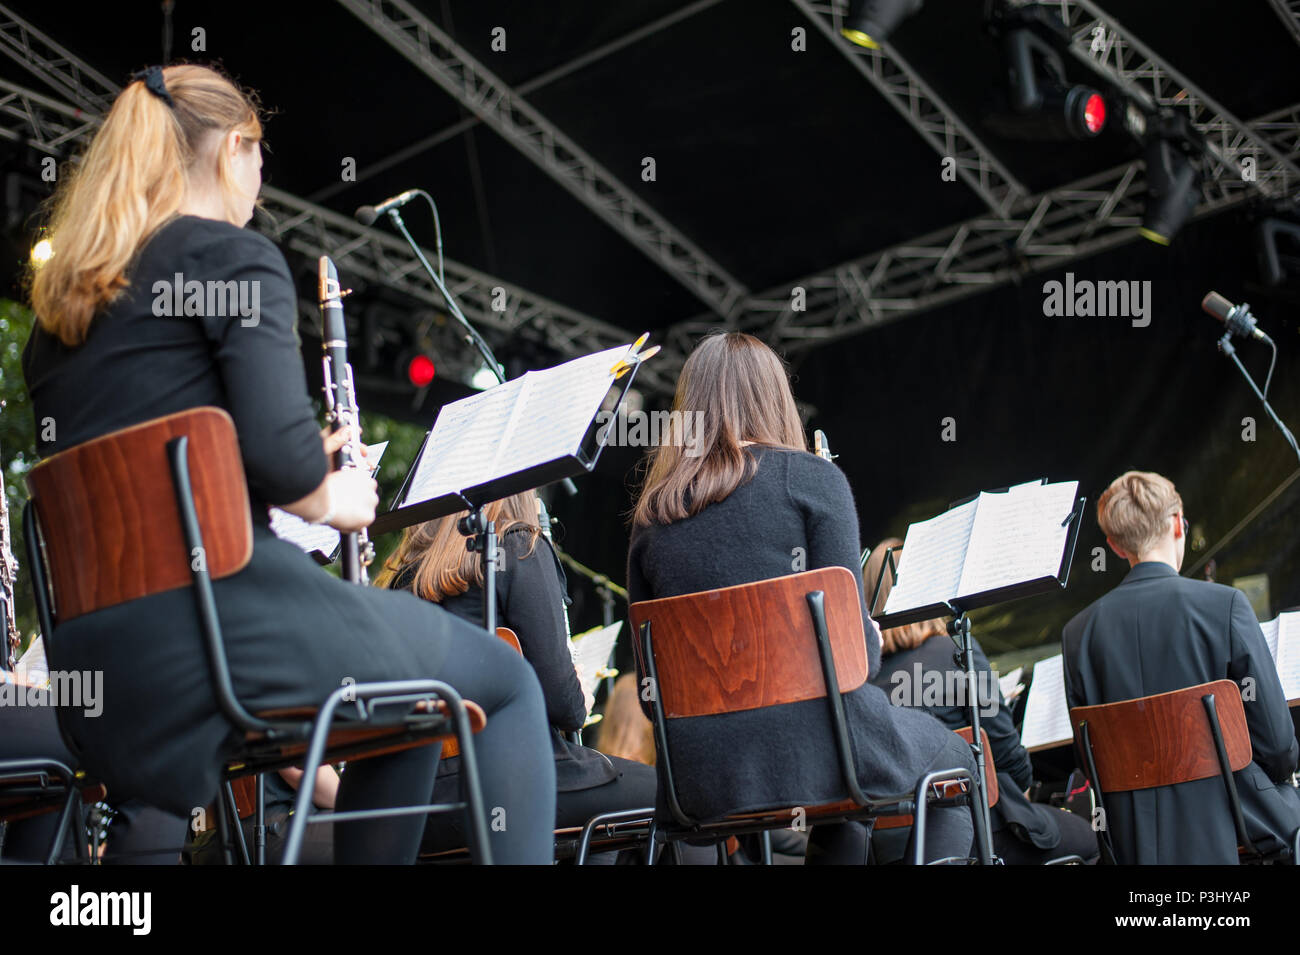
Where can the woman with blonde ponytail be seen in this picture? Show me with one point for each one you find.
(157, 300)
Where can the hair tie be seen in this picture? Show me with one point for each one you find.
(153, 82)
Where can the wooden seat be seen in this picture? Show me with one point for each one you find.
(1163, 740)
(164, 505)
(784, 640)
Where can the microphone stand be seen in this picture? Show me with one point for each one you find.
(477, 340)
(1226, 346)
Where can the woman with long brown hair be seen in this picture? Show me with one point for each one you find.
(748, 502)
(161, 197)
(431, 561)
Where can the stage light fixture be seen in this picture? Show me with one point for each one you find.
(870, 22)
(1173, 189)
(1049, 107)
(420, 370)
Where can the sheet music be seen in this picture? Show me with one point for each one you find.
(1017, 536)
(591, 651)
(464, 443)
(1288, 653)
(1270, 628)
(539, 417)
(929, 569)
(555, 410)
(1047, 717)
(317, 538)
(1010, 684)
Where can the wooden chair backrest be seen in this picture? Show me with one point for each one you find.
(753, 645)
(108, 517)
(450, 747)
(1164, 739)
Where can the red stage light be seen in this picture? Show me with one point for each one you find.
(420, 371)
(1094, 113)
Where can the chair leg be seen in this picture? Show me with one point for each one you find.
(607, 818)
(765, 840)
(228, 806)
(471, 791)
(922, 806)
(259, 822)
(223, 834)
(722, 852)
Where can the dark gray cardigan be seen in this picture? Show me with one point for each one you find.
(796, 513)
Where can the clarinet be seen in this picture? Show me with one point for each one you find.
(356, 551)
(821, 447)
(8, 580)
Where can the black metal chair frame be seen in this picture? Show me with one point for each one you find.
(35, 778)
(262, 754)
(916, 803)
(1291, 853)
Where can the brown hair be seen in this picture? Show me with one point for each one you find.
(436, 549)
(132, 180)
(737, 389)
(1133, 510)
(896, 638)
(625, 731)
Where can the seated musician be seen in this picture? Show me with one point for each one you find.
(162, 196)
(749, 503)
(432, 562)
(920, 655)
(1158, 632)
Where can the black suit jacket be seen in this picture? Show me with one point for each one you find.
(1158, 632)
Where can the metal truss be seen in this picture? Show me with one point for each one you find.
(1085, 217)
(53, 127)
(65, 73)
(40, 122)
(1289, 11)
(1101, 42)
(914, 100)
(480, 91)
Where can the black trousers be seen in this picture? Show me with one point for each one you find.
(633, 788)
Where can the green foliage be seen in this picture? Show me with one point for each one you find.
(17, 443)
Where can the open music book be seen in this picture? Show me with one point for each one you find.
(591, 651)
(997, 546)
(320, 541)
(1282, 634)
(516, 436)
(1047, 714)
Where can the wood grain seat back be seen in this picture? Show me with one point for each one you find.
(752, 645)
(108, 517)
(1164, 739)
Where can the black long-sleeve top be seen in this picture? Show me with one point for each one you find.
(902, 671)
(796, 513)
(82, 393)
(529, 594)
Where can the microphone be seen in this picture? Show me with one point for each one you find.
(366, 215)
(1237, 318)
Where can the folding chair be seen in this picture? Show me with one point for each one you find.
(1171, 738)
(792, 638)
(98, 533)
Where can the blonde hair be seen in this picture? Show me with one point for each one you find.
(435, 550)
(625, 732)
(131, 181)
(896, 638)
(1132, 512)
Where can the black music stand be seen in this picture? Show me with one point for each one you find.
(959, 629)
